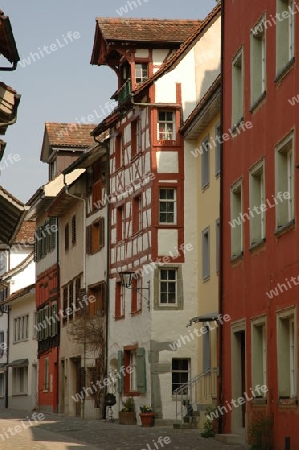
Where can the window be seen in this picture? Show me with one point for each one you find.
(66, 237)
(137, 214)
(71, 300)
(20, 380)
(135, 137)
(236, 220)
(119, 301)
(217, 244)
(287, 351)
(180, 373)
(45, 239)
(65, 304)
(206, 253)
(205, 163)
(53, 169)
(166, 125)
(258, 61)
(3, 294)
(20, 331)
(141, 72)
(46, 322)
(284, 34)
(259, 353)
(120, 223)
(237, 88)
(256, 199)
(168, 287)
(134, 380)
(77, 295)
(95, 236)
(46, 375)
(217, 149)
(284, 184)
(35, 325)
(74, 230)
(118, 152)
(2, 343)
(99, 292)
(167, 206)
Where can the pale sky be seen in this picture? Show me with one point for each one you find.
(62, 86)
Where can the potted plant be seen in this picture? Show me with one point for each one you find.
(110, 399)
(127, 415)
(147, 416)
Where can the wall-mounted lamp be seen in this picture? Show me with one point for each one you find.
(126, 281)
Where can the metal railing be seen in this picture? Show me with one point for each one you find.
(202, 389)
(124, 92)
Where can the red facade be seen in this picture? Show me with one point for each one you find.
(248, 277)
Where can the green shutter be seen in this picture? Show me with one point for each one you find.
(46, 315)
(120, 373)
(54, 324)
(140, 370)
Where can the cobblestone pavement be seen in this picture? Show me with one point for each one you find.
(58, 432)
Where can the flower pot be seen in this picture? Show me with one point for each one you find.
(147, 419)
(127, 418)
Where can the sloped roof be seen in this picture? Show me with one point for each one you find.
(183, 50)
(64, 136)
(7, 42)
(20, 293)
(26, 232)
(12, 212)
(69, 135)
(146, 30)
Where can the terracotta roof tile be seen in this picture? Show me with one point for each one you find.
(20, 293)
(26, 232)
(146, 30)
(69, 134)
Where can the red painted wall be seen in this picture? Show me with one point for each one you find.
(246, 281)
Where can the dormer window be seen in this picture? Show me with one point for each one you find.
(141, 72)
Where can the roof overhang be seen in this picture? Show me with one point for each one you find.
(8, 45)
(12, 214)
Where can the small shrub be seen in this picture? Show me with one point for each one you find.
(209, 424)
(129, 405)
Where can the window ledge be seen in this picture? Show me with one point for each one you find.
(285, 70)
(259, 401)
(136, 313)
(257, 244)
(205, 279)
(235, 258)
(236, 125)
(257, 102)
(286, 402)
(205, 187)
(119, 318)
(19, 395)
(284, 228)
(131, 394)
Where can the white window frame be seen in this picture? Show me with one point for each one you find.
(21, 328)
(258, 60)
(235, 211)
(174, 201)
(169, 134)
(168, 281)
(139, 72)
(257, 197)
(285, 46)
(205, 251)
(287, 353)
(19, 387)
(284, 180)
(238, 88)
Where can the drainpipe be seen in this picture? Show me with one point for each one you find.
(108, 221)
(84, 277)
(221, 346)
